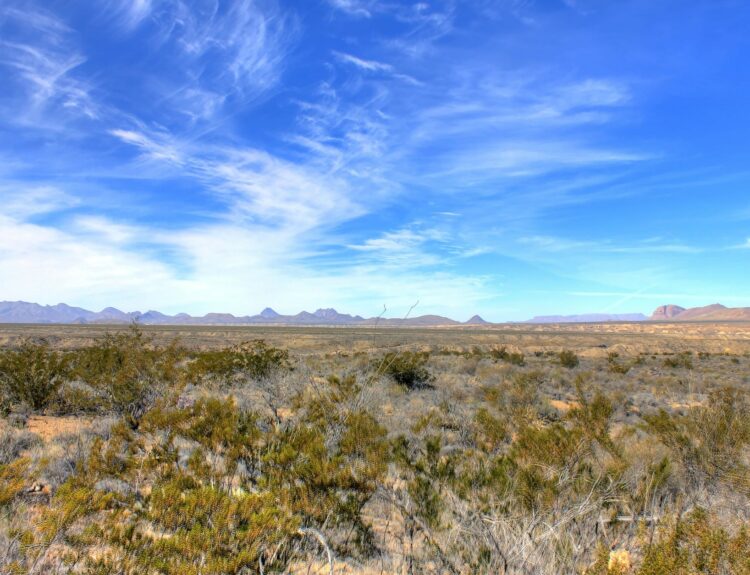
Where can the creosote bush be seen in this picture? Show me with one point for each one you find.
(568, 359)
(407, 368)
(32, 374)
(512, 357)
(695, 544)
(681, 360)
(254, 359)
(129, 371)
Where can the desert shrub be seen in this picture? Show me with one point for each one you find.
(568, 359)
(425, 471)
(225, 489)
(550, 447)
(614, 365)
(682, 360)
(77, 397)
(519, 397)
(592, 418)
(407, 368)
(12, 480)
(512, 357)
(694, 545)
(710, 440)
(490, 431)
(129, 371)
(32, 373)
(255, 359)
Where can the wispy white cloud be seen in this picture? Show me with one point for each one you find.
(403, 248)
(522, 159)
(21, 200)
(130, 13)
(553, 244)
(246, 43)
(152, 147)
(103, 228)
(46, 68)
(374, 66)
(347, 135)
(368, 65)
(256, 186)
(361, 8)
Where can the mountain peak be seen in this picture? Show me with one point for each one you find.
(666, 312)
(326, 313)
(713, 312)
(268, 313)
(476, 320)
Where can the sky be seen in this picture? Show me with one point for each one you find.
(508, 158)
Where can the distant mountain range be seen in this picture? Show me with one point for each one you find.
(25, 312)
(670, 312)
(713, 312)
(588, 318)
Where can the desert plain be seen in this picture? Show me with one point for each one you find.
(600, 449)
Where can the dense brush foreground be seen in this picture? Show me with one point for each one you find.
(251, 460)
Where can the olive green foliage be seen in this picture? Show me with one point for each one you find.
(694, 545)
(255, 359)
(568, 359)
(710, 440)
(32, 373)
(681, 360)
(128, 370)
(512, 357)
(407, 368)
(224, 492)
(12, 479)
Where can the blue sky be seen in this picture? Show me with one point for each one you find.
(508, 158)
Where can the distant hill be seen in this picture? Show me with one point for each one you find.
(666, 312)
(713, 312)
(25, 312)
(587, 318)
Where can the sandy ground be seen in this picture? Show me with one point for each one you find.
(48, 427)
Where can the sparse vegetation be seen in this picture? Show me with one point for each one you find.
(407, 368)
(251, 459)
(568, 359)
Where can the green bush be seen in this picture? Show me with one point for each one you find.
(32, 373)
(407, 368)
(255, 359)
(683, 360)
(568, 359)
(512, 357)
(129, 371)
(694, 545)
(711, 439)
